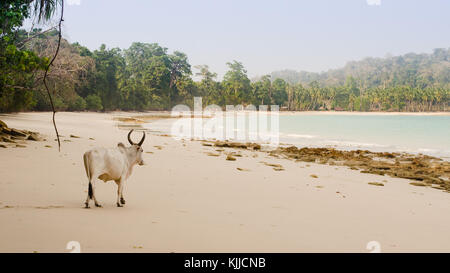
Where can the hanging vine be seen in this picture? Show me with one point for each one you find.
(46, 72)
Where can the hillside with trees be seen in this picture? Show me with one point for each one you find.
(146, 76)
(415, 70)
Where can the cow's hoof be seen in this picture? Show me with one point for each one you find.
(119, 205)
(86, 206)
(122, 201)
(98, 205)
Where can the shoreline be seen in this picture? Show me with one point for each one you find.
(166, 113)
(129, 120)
(304, 139)
(425, 170)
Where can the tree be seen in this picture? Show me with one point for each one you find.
(17, 66)
(262, 91)
(108, 63)
(208, 87)
(279, 91)
(145, 79)
(67, 73)
(179, 68)
(94, 103)
(236, 84)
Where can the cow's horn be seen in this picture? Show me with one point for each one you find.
(129, 138)
(142, 140)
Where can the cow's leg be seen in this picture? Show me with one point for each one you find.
(122, 200)
(89, 195)
(88, 174)
(119, 193)
(93, 195)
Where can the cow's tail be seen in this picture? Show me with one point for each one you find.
(88, 173)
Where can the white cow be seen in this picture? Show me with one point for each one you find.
(112, 164)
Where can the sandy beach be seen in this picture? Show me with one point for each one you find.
(184, 200)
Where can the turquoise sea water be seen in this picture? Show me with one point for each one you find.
(427, 134)
(408, 133)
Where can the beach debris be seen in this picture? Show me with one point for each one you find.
(425, 169)
(226, 144)
(10, 135)
(212, 154)
(243, 169)
(230, 157)
(341, 194)
(15, 132)
(207, 144)
(272, 164)
(376, 183)
(158, 147)
(34, 137)
(3, 124)
(6, 139)
(91, 138)
(320, 187)
(47, 146)
(314, 176)
(3, 146)
(20, 146)
(274, 155)
(278, 169)
(74, 136)
(128, 119)
(148, 152)
(418, 184)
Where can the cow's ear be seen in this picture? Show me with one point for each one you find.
(121, 145)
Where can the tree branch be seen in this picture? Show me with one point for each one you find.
(22, 43)
(46, 72)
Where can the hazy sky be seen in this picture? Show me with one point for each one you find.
(313, 35)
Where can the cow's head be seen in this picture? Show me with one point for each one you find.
(136, 149)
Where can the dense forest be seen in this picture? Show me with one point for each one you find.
(146, 76)
(415, 70)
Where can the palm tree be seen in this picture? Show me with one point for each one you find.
(44, 9)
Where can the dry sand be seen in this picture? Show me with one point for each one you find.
(185, 200)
